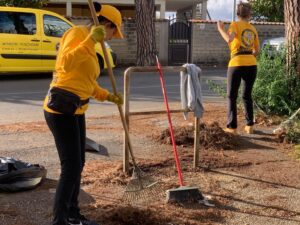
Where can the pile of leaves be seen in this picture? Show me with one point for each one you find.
(267, 120)
(293, 134)
(289, 130)
(212, 136)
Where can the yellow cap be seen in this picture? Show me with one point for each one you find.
(113, 15)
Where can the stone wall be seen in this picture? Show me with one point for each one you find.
(126, 48)
(209, 48)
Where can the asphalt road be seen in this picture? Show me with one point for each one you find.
(21, 96)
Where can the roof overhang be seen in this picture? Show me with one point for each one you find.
(171, 5)
(175, 5)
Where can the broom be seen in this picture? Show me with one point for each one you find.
(183, 193)
(141, 186)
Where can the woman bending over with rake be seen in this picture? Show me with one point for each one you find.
(74, 82)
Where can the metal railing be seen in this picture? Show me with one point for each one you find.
(126, 109)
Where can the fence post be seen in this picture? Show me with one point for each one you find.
(196, 142)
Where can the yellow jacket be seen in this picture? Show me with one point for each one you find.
(77, 67)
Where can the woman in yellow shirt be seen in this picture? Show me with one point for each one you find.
(74, 82)
(243, 42)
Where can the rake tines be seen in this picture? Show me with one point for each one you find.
(141, 188)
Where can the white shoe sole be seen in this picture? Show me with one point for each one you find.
(75, 223)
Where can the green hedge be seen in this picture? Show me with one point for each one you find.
(275, 92)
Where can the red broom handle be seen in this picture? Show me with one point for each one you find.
(170, 121)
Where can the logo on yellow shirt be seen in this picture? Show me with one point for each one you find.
(248, 37)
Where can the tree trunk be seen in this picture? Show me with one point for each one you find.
(292, 33)
(145, 29)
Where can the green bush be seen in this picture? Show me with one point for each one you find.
(275, 92)
(293, 134)
(220, 89)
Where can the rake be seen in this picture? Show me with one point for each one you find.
(141, 186)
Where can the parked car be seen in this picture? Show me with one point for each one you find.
(273, 45)
(29, 40)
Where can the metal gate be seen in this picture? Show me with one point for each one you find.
(179, 41)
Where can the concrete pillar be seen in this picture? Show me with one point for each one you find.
(194, 11)
(162, 10)
(163, 27)
(204, 8)
(69, 8)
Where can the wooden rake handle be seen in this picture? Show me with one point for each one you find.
(112, 80)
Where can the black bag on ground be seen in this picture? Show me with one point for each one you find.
(16, 175)
(63, 101)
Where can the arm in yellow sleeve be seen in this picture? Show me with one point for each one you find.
(232, 32)
(75, 49)
(227, 36)
(100, 93)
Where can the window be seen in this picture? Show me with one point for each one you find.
(17, 23)
(54, 26)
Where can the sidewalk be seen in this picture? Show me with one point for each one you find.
(256, 183)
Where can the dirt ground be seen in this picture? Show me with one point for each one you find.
(251, 179)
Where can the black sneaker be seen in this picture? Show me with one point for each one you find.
(81, 220)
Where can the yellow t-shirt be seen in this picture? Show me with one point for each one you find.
(77, 67)
(243, 44)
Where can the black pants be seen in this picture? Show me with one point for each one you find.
(246, 74)
(69, 133)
